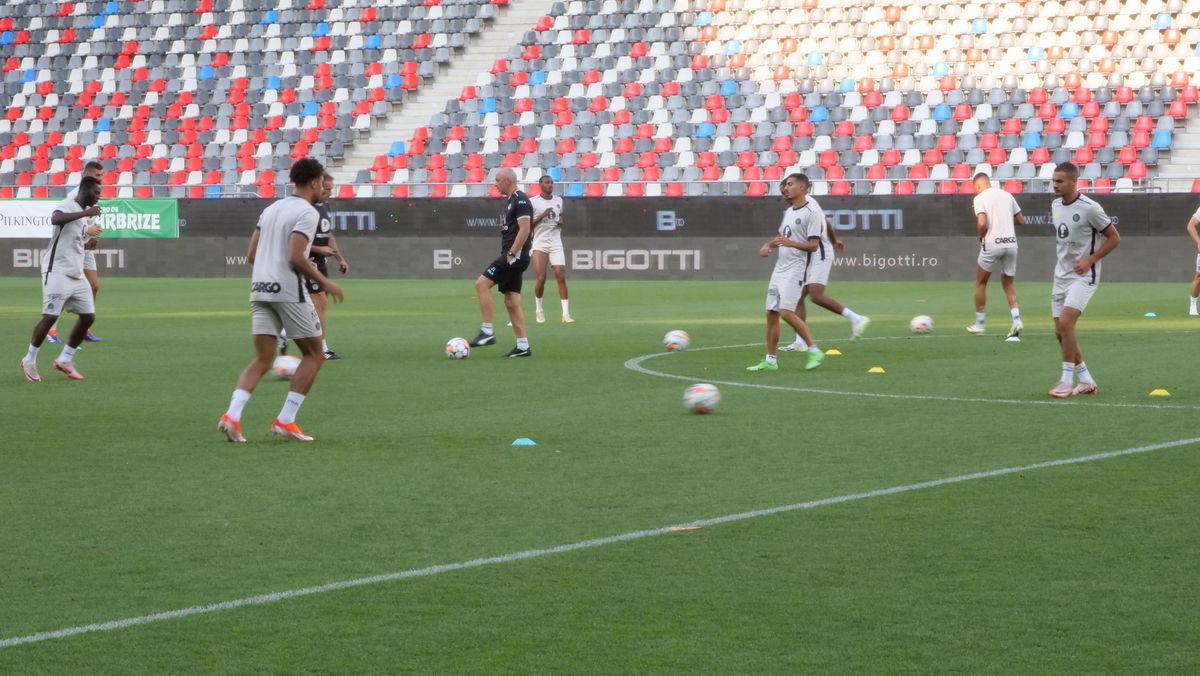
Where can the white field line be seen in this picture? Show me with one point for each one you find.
(635, 364)
(275, 597)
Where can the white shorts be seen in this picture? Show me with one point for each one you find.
(552, 247)
(818, 270)
(1072, 293)
(1198, 263)
(61, 293)
(89, 260)
(300, 319)
(1007, 258)
(783, 292)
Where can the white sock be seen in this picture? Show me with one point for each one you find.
(283, 334)
(800, 343)
(979, 319)
(523, 343)
(1193, 302)
(291, 406)
(850, 314)
(1016, 314)
(1085, 376)
(538, 303)
(486, 328)
(814, 348)
(566, 304)
(31, 355)
(771, 359)
(237, 403)
(1068, 374)
(324, 345)
(67, 355)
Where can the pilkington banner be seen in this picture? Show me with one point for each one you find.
(120, 218)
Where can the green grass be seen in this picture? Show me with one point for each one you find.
(120, 498)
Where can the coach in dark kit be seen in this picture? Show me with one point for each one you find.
(507, 270)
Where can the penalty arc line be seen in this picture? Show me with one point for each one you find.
(276, 597)
(635, 365)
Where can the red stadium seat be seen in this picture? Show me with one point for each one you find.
(1039, 156)
(674, 190)
(1102, 185)
(756, 189)
(1136, 170)
(947, 188)
(1127, 155)
(903, 188)
(839, 188)
(1196, 185)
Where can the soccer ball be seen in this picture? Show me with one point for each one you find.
(701, 398)
(285, 366)
(921, 324)
(458, 348)
(676, 341)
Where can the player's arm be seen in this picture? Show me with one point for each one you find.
(253, 250)
(1112, 238)
(523, 226)
(298, 259)
(64, 217)
(1191, 230)
(343, 264)
(981, 225)
(838, 245)
(1019, 218)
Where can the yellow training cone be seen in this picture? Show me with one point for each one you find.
(833, 352)
(876, 369)
(1159, 392)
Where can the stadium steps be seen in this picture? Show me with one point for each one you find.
(1183, 162)
(507, 30)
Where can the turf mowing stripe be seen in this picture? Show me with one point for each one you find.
(275, 597)
(635, 364)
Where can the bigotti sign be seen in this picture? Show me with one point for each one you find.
(637, 259)
(120, 218)
(32, 258)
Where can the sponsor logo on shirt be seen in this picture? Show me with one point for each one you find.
(265, 287)
(1006, 240)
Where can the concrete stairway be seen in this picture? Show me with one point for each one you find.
(506, 30)
(1181, 165)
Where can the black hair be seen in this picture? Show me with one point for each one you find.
(93, 164)
(1068, 168)
(88, 183)
(800, 178)
(305, 170)
(982, 175)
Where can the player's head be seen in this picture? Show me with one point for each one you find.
(506, 181)
(94, 169)
(1064, 178)
(795, 187)
(546, 183)
(89, 191)
(982, 182)
(307, 174)
(326, 187)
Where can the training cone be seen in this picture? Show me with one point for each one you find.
(876, 369)
(1159, 392)
(833, 352)
(1150, 314)
(524, 441)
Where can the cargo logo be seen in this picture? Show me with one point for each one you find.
(265, 287)
(637, 259)
(667, 221)
(32, 258)
(866, 219)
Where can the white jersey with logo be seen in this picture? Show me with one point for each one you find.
(820, 229)
(999, 209)
(546, 230)
(797, 222)
(1078, 225)
(273, 278)
(65, 254)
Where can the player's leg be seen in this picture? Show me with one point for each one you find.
(303, 325)
(981, 279)
(1195, 289)
(29, 361)
(93, 280)
(265, 326)
(815, 356)
(539, 286)
(512, 303)
(560, 277)
(801, 343)
(817, 293)
(1010, 293)
(773, 304)
(487, 308)
(321, 303)
(79, 300)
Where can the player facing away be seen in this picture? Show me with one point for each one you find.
(324, 244)
(279, 250)
(1191, 230)
(64, 287)
(547, 244)
(1077, 221)
(505, 272)
(996, 213)
(95, 170)
(816, 275)
(794, 248)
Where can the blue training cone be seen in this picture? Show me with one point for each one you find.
(524, 441)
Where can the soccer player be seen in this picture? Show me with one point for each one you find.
(1077, 221)
(787, 280)
(279, 251)
(996, 212)
(547, 243)
(63, 285)
(1191, 229)
(820, 264)
(324, 245)
(95, 170)
(505, 272)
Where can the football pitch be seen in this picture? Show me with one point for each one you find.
(945, 516)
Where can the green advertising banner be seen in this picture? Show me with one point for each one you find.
(142, 218)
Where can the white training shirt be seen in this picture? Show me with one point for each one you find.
(820, 229)
(797, 223)
(273, 278)
(1078, 225)
(547, 229)
(999, 209)
(65, 255)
